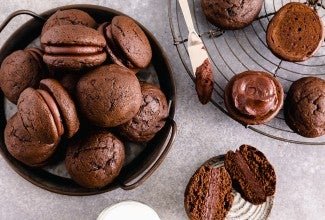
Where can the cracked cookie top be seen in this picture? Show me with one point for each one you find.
(231, 14)
(305, 107)
(94, 159)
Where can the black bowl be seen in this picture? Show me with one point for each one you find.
(143, 165)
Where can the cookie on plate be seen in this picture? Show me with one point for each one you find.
(252, 174)
(208, 193)
(295, 33)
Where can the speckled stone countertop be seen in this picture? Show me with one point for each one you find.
(203, 132)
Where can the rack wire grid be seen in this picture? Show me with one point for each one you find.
(235, 51)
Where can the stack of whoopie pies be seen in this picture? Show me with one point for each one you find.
(81, 89)
(295, 34)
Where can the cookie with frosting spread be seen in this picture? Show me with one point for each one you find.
(253, 97)
(231, 14)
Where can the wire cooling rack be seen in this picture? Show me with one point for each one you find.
(236, 51)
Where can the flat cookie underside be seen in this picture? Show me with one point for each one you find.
(295, 33)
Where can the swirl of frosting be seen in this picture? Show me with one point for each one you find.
(254, 94)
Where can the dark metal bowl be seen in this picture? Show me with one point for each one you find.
(143, 165)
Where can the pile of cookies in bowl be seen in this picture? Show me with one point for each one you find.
(79, 98)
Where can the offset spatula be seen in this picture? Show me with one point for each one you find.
(199, 58)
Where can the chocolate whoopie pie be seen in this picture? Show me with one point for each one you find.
(109, 95)
(73, 47)
(20, 70)
(208, 193)
(127, 44)
(95, 159)
(304, 108)
(231, 14)
(69, 16)
(252, 174)
(43, 116)
(295, 33)
(253, 97)
(150, 118)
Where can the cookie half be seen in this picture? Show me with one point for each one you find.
(252, 174)
(208, 193)
(295, 33)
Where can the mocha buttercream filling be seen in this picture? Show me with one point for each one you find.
(250, 179)
(77, 49)
(55, 113)
(212, 197)
(254, 95)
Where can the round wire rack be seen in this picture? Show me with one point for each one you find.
(235, 51)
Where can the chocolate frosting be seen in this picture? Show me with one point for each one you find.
(212, 197)
(254, 95)
(73, 49)
(252, 182)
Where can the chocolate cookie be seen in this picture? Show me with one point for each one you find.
(95, 159)
(295, 33)
(20, 70)
(231, 14)
(304, 108)
(253, 97)
(73, 47)
(65, 104)
(208, 193)
(33, 133)
(252, 174)
(117, 101)
(70, 16)
(150, 118)
(127, 44)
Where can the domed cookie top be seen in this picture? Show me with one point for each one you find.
(253, 97)
(70, 16)
(304, 108)
(117, 101)
(231, 14)
(150, 118)
(20, 70)
(295, 33)
(32, 134)
(95, 158)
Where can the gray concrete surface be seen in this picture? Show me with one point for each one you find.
(203, 131)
